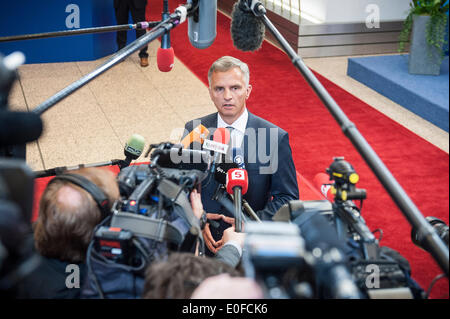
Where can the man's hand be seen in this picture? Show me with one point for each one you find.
(230, 234)
(196, 203)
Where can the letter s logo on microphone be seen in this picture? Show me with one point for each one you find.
(237, 174)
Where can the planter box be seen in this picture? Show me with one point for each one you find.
(423, 58)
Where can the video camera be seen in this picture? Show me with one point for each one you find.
(322, 249)
(17, 257)
(153, 217)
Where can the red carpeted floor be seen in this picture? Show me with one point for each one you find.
(282, 96)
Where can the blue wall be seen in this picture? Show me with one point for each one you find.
(31, 16)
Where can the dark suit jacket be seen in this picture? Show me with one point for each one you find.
(270, 186)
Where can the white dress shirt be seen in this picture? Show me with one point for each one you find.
(237, 135)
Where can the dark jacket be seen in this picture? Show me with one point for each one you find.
(269, 186)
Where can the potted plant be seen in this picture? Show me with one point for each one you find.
(426, 23)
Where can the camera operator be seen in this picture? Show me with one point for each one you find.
(67, 217)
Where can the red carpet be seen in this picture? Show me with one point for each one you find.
(282, 96)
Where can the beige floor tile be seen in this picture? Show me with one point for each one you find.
(16, 100)
(33, 156)
(39, 70)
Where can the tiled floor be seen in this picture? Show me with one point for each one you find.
(93, 124)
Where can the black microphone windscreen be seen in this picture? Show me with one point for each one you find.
(247, 30)
(220, 175)
(19, 127)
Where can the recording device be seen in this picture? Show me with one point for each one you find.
(324, 185)
(152, 218)
(337, 227)
(238, 157)
(237, 185)
(133, 149)
(202, 23)
(197, 135)
(17, 256)
(115, 244)
(297, 261)
(165, 54)
(16, 128)
(247, 29)
(218, 146)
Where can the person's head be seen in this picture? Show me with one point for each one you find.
(180, 275)
(229, 87)
(68, 215)
(225, 287)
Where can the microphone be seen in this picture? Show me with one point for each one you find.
(133, 149)
(237, 185)
(238, 157)
(332, 276)
(247, 29)
(202, 24)
(219, 144)
(220, 175)
(323, 183)
(198, 134)
(165, 54)
(19, 127)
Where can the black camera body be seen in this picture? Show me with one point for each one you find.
(375, 271)
(152, 218)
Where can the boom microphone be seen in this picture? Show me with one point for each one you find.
(202, 24)
(165, 54)
(247, 30)
(19, 127)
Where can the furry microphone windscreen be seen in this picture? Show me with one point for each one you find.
(247, 30)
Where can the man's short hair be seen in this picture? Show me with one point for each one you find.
(68, 215)
(227, 63)
(181, 274)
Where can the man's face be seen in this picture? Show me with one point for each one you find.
(229, 93)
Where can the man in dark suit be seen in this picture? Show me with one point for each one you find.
(137, 9)
(267, 153)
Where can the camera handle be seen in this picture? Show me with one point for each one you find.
(347, 214)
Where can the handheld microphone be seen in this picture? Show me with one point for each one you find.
(133, 149)
(219, 145)
(165, 54)
(238, 157)
(247, 30)
(323, 183)
(202, 24)
(220, 175)
(19, 127)
(237, 184)
(198, 134)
